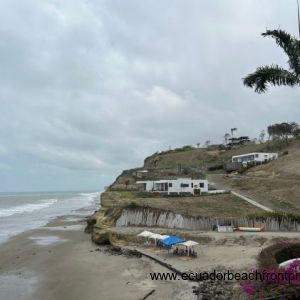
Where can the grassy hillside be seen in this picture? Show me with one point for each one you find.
(202, 158)
(224, 205)
(276, 184)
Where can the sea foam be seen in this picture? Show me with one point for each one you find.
(25, 208)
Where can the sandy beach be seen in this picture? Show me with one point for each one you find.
(59, 261)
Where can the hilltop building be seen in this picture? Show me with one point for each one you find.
(176, 186)
(254, 157)
(242, 140)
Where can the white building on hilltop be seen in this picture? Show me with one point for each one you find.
(255, 157)
(176, 186)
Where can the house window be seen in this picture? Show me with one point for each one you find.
(170, 184)
(201, 184)
(192, 185)
(184, 185)
(256, 155)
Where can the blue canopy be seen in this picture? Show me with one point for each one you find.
(172, 240)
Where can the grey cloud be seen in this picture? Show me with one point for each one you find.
(88, 88)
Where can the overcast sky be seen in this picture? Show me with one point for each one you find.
(89, 88)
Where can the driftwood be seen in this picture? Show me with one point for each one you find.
(147, 295)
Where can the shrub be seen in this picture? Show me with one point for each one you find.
(144, 194)
(173, 194)
(216, 167)
(185, 194)
(275, 254)
(289, 252)
(266, 258)
(127, 194)
(186, 171)
(281, 286)
(284, 285)
(133, 205)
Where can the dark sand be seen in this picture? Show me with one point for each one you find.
(59, 261)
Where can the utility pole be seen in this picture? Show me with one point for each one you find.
(232, 130)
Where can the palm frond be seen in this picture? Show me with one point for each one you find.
(289, 44)
(269, 75)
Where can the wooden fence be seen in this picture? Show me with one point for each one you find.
(153, 217)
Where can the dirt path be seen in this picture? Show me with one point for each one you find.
(251, 201)
(238, 194)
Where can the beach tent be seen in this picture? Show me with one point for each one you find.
(189, 243)
(155, 236)
(171, 240)
(145, 234)
(163, 237)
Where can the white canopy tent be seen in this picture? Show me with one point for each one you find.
(155, 236)
(189, 243)
(190, 246)
(148, 235)
(145, 234)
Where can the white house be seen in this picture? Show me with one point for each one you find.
(255, 156)
(176, 186)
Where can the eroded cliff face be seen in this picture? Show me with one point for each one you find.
(101, 222)
(117, 210)
(155, 217)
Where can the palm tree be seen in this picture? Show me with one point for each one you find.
(274, 74)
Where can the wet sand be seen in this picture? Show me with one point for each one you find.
(59, 261)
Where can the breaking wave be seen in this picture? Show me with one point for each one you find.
(26, 208)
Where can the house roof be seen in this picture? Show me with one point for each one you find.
(253, 153)
(171, 180)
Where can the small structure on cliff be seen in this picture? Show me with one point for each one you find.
(257, 157)
(176, 186)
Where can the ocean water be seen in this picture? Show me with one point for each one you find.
(20, 212)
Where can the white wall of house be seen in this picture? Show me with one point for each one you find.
(255, 156)
(180, 185)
